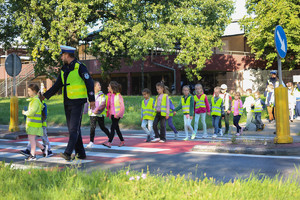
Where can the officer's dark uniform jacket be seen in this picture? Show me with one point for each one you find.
(83, 73)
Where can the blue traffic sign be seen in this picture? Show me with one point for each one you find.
(280, 41)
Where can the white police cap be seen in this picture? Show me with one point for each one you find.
(67, 49)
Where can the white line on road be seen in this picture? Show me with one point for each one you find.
(123, 148)
(245, 155)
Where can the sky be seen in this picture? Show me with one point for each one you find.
(239, 12)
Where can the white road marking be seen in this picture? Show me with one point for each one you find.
(123, 148)
(245, 155)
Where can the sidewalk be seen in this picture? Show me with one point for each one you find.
(251, 142)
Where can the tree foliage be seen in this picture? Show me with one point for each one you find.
(135, 28)
(260, 25)
(130, 29)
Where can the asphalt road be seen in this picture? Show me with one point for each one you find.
(172, 157)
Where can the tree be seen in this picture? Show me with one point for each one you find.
(134, 28)
(260, 25)
(47, 24)
(9, 31)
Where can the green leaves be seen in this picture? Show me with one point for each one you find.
(260, 29)
(142, 26)
(130, 30)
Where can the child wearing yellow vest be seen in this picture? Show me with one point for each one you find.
(237, 110)
(201, 108)
(148, 113)
(217, 110)
(187, 106)
(97, 115)
(162, 109)
(34, 120)
(258, 106)
(115, 111)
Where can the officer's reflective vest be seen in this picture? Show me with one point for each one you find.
(200, 103)
(163, 106)
(216, 107)
(148, 111)
(258, 106)
(240, 109)
(76, 88)
(36, 120)
(276, 83)
(186, 105)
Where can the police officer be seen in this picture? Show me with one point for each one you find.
(77, 85)
(274, 80)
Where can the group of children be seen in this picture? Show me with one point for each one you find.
(159, 110)
(162, 109)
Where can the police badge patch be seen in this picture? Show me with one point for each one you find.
(86, 76)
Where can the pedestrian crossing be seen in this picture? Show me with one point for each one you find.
(98, 154)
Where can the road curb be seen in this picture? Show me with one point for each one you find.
(247, 150)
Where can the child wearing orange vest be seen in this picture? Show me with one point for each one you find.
(115, 111)
(237, 110)
(148, 113)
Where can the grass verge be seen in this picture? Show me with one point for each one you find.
(72, 183)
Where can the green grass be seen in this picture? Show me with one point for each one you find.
(72, 183)
(131, 120)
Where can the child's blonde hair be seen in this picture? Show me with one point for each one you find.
(199, 85)
(186, 86)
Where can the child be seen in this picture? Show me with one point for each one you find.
(201, 108)
(162, 109)
(115, 111)
(297, 95)
(97, 115)
(187, 106)
(237, 110)
(291, 99)
(258, 108)
(270, 101)
(46, 142)
(148, 113)
(170, 119)
(248, 102)
(217, 110)
(34, 121)
(227, 108)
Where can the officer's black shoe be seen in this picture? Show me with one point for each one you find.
(25, 152)
(65, 156)
(79, 157)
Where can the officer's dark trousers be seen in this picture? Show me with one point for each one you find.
(74, 115)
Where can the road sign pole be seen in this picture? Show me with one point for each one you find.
(14, 73)
(279, 69)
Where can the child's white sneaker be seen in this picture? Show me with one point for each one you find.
(186, 139)
(221, 132)
(90, 145)
(204, 136)
(193, 136)
(155, 140)
(214, 136)
(176, 136)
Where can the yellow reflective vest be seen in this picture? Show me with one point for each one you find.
(186, 105)
(200, 103)
(76, 88)
(36, 119)
(148, 111)
(258, 107)
(163, 106)
(216, 107)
